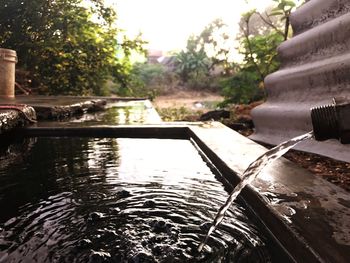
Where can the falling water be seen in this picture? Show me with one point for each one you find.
(250, 174)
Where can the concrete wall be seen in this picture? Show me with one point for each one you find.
(315, 68)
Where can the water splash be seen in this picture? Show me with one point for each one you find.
(250, 174)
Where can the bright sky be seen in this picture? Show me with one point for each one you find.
(167, 24)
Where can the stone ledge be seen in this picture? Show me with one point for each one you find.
(12, 118)
(58, 107)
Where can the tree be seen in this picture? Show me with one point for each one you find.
(260, 34)
(282, 11)
(149, 80)
(192, 61)
(67, 46)
(212, 47)
(259, 51)
(216, 41)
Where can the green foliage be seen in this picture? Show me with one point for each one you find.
(260, 53)
(193, 68)
(192, 62)
(205, 82)
(67, 47)
(204, 52)
(284, 8)
(216, 42)
(149, 80)
(150, 74)
(242, 88)
(260, 59)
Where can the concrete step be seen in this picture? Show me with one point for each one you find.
(317, 12)
(317, 81)
(329, 39)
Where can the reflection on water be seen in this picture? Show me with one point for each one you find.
(122, 112)
(117, 200)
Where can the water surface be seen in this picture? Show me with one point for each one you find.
(116, 200)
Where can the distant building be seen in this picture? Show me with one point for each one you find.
(168, 61)
(153, 56)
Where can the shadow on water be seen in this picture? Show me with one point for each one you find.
(116, 200)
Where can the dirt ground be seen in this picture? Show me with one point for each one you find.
(334, 171)
(189, 105)
(189, 100)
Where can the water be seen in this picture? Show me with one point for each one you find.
(250, 174)
(122, 112)
(117, 200)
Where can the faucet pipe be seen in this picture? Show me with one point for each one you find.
(332, 121)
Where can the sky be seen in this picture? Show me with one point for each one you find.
(167, 24)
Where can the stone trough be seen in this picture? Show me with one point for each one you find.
(307, 218)
(292, 205)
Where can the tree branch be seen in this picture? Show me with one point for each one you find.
(286, 27)
(250, 49)
(269, 23)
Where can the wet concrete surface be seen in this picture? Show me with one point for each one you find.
(58, 107)
(11, 118)
(79, 111)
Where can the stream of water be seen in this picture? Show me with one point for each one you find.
(250, 174)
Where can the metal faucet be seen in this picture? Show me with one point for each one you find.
(332, 121)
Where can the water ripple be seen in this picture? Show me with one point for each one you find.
(118, 200)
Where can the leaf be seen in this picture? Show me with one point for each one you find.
(276, 9)
(289, 3)
(60, 42)
(281, 5)
(276, 13)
